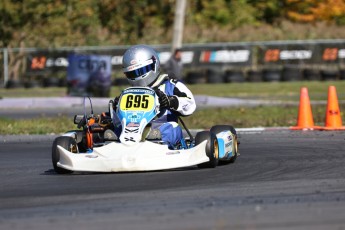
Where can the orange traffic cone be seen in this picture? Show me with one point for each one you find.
(305, 119)
(333, 117)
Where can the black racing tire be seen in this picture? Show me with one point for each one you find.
(31, 84)
(254, 76)
(211, 148)
(290, 73)
(214, 76)
(80, 139)
(329, 75)
(67, 143)
(62, 82)
(272, 75)
(196, 78)
(342, 74)
(50, 82)
(11, 84)
(220, 128)
(311, 75)
(233, 76)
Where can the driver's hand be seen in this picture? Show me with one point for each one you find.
(115, 102)
(166, 102)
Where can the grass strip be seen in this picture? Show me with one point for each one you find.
(258, 90)
(239, 117)
(45, 125)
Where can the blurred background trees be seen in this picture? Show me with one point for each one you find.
(57, 23)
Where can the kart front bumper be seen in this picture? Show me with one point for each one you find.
(144, 156)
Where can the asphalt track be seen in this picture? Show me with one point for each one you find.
(282, 180)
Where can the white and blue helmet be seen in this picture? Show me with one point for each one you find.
(141, 65)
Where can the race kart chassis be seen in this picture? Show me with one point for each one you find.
(91, 150)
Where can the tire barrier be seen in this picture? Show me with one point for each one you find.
(62, 82)
(271, 75)
(268, 61)
(31, 84)
(214, 76)
(196, 78)
(311, 75)
(11, 84)
(254, 76)
(232, 76)
(291, 74)
(342, 74)
(50, 82)
(211, 76)
(329, 75)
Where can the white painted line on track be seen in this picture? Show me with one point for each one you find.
(250, 130)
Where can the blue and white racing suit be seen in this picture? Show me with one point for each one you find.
(170, 131)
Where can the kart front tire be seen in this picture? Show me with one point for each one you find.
(67, 143)
(220, 128)
(211, 148)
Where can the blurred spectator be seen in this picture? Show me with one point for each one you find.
(174, 66)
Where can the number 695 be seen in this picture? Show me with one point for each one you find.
(137, 101)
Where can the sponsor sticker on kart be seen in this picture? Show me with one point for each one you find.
(91, 156)
(132, 124)
(172, 152)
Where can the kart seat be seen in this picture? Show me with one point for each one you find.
(154, 134)
(109, 135)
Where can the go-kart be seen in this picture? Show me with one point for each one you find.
(94, 147)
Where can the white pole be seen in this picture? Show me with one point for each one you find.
(5, 66)
(178, 24)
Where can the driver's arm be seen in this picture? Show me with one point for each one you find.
(186, 102)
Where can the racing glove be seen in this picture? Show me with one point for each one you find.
(116, 102)
(167, 102)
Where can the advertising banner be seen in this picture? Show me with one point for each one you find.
(287, 54)
(43, 62)
(219, 55)
(332, 53)
(89, 72)
(223, 55)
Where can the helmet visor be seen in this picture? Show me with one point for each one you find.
(140, 71)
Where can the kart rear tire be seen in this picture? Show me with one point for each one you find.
(211, 148)
(220, 128)
(67, 143)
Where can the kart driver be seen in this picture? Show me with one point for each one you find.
(141, 66)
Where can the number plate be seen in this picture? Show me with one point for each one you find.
(137, 100)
